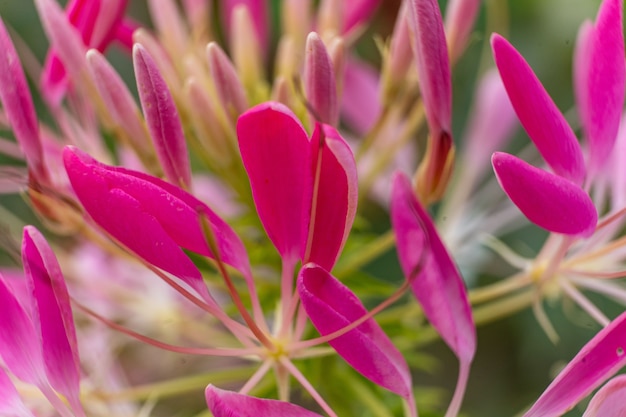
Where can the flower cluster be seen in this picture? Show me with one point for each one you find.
(212, 222)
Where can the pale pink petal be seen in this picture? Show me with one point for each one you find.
(10, 403)
(435, 279)
(357, 12)
(275, 150)
(230, 404)
(548, 200)
(600, 73)
(543, 121)
(360, 102)
(319, 81)
(597, 361)
(52, 315)
(610, 400)
(400, 55)
(259, 12)
(119, 101)
(20, 348)
(123, 202)
(433, 65)
(162, 118)
(227, 83)
(331, 306)
(68, 48)
(333, 173)
(459, 21)
(18, 105)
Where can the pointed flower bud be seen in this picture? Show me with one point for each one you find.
(227, 84)
(162, 118)
(459, 21)
(258, 13)
(319, 81)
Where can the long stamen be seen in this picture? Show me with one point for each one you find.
(584, 303)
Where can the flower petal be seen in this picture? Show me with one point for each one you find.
(17, 103)
(162, 118)
(598, 360)
(600, 75)
(433, 65)
(436, 282)
(167, 216)
(459, 21)
(10, 403)
(52, 315)
(609, 400)
(333, 173)
(331, 306)
(274, 148)
(360, 102)
(356, 13)
(543, 121)
(548, 200)
(229, 404)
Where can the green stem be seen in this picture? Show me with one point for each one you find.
(500, 288)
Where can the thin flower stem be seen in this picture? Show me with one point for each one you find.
(606, 249)
(286, 297)
(459, 392)
(610, 218)
(500, 288)
(256, 377)
(596, 274)
(166, 346)
(307, 385)
(584, 303)
(366, 254)
(543, 320)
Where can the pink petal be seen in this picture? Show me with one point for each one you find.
(600, 73)
(258, 11)
(610, 400)
(275, 150)
(319, 81)
(459, 22)
(230, 404)
(542, 120)
(162, 118)
(357, 12)
(10, 403)
(123, 201)
(334, 208)
(68, 47)
(331, 306)
(20, 348)
(436, 281)
(360, 102)
(52, 315)
(119, 101)
(18, 105)
(227, 83)
(598, 360)
(433, 66)
(549, 201)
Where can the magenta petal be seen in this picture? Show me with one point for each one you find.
(274, 148)
(20, 348)
(319, 81)
(18, 105)
(10, 403)
(610, 400)
(548, 200)
(597, 361)
(162, 118)
(543, 121)
(600, 73)
(331, 306)
(230, 404)
(360, 101)
(333, 210)
(124, 202)
(433, 65)
(357, 13)
(52, 315)
(436, 281)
